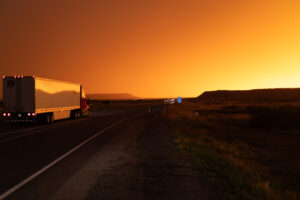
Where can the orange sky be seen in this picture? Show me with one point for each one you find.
(154, 48)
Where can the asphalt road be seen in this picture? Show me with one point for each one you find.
(134, 159)
(29, 148)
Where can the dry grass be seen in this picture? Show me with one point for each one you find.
(244, 159)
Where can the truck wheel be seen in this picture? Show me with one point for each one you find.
(47, 119)
(77, 114)
(73, 114)
(51, 118)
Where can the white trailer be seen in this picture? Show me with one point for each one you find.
(26, 98)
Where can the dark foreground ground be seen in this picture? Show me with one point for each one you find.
(136, 159)
(154, 169)
(248, 150)
(193, 150)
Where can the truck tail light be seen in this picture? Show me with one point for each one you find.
(3, 77)
(21, 76)
(15, 76)
(33, 114)
(28, 114)
(8, 114)
(4, 114)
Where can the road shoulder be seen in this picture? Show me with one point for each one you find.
(155, 169)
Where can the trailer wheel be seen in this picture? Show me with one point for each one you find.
(72, 115)
(51, 118)
(75, 115)
(47, 119)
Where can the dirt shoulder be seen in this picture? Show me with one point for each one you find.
(137, 159)
(152, 169)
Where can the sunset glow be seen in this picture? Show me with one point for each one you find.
(154, 48)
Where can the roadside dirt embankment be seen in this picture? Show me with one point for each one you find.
(247, 150)
(151, 166)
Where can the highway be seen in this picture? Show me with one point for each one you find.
(23, 152)
(51, 161)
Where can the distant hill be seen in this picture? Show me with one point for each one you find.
(282, 94)
(116, 96)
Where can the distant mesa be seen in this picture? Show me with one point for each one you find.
(282, 94)
(115, 96)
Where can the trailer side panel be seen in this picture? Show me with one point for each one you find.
(51, 96)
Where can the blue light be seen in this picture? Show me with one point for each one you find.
(179, 100)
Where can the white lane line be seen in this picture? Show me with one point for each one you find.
(33, 131)
(31, 177)
(30, 133)
(40, 128)
(24, 135)
(17, 131)
(25, 132)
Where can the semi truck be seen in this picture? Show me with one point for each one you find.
(30, 98)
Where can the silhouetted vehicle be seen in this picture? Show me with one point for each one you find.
(27, 98)
(169, 101)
